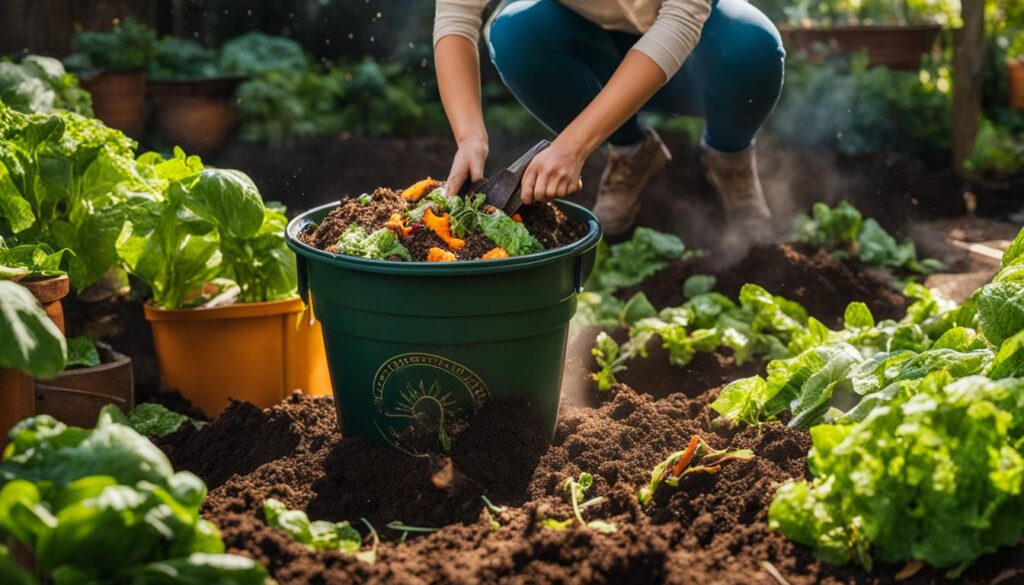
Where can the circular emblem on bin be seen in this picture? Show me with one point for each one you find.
(420, 396)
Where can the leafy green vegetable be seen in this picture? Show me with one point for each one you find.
(634, 260)
(105, 506)
(82, 352)
(59, 185)
(32, 343)
(179, 58)
(318, 535)
(130, 45)
(508, 234)
(254, 53)
(843, 230)
(149, 419)
(29, 260)
(380, 244)
(39, 85)
(998, 152)
(934, 477)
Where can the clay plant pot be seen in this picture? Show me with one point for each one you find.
(259, 352)
(196, 114)
(50, 292)
(1015, 83)
(896, 47)
(996, 197)
(119, 99)
(76, 396)
(16, 401)
(16, 388)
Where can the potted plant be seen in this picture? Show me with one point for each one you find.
(995, 171)
(894, 33)
(116, 64)
(193, 100)
(33, 347)
(225, 313)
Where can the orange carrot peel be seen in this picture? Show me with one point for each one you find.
(494, 254)
(419, 189)
(686, 457)
(439, 255)
(441, 225)
(397, 224)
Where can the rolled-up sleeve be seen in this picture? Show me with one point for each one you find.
(458, 17)
(674, 34)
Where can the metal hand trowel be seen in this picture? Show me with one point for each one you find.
(504, 187)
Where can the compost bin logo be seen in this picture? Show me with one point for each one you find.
(421, 397)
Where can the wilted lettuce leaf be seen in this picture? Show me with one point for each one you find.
(380, 244)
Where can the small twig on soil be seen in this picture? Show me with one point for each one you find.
(1005, 576)
(909, 570)
(774, 572)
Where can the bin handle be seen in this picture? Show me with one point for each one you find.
(303, 278)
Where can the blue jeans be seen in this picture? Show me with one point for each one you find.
(555, 62)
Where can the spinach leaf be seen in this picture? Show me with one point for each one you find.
(32, 343)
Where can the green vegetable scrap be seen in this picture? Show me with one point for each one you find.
(577, 490)
(75, 497)
(697, 457)
(381, 244)
(318, 535)
(32, 343)
(934, 477)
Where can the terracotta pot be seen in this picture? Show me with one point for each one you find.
(259, 352)
(1015, 83)
(49, 292)
(896, 47)
(16, 400)
(119, 98)
(76, 396)
(197, 115)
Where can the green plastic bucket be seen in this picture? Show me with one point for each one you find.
(436, 341)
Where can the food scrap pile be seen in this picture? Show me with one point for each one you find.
(420, 224)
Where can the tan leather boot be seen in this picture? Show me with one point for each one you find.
(626, 174)
(734, 176)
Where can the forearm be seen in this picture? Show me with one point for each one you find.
(634, 82)
(458, 79)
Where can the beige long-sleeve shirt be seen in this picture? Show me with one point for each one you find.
(669, 29)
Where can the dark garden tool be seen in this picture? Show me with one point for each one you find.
(504, 188)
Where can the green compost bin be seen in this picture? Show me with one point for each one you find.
(439, 340)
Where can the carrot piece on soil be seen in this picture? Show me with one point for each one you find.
(439, 255)
(396, 223)
(495, 253)
(441, 225)
(419, 189)
(686, 457)
(517, 218)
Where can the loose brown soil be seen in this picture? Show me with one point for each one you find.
(711, 529)
(543, 220)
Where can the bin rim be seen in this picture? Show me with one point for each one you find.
(466, 267)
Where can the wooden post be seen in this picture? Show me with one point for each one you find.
(967, 61)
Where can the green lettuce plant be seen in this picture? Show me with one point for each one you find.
(105, 506)
(129, 45)
(40, 85)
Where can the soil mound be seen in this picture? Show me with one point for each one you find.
(712, 528)
(813, 277)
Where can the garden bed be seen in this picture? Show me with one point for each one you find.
(712, 528)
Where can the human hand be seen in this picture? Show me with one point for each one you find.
(553, 173)
(468, 165)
